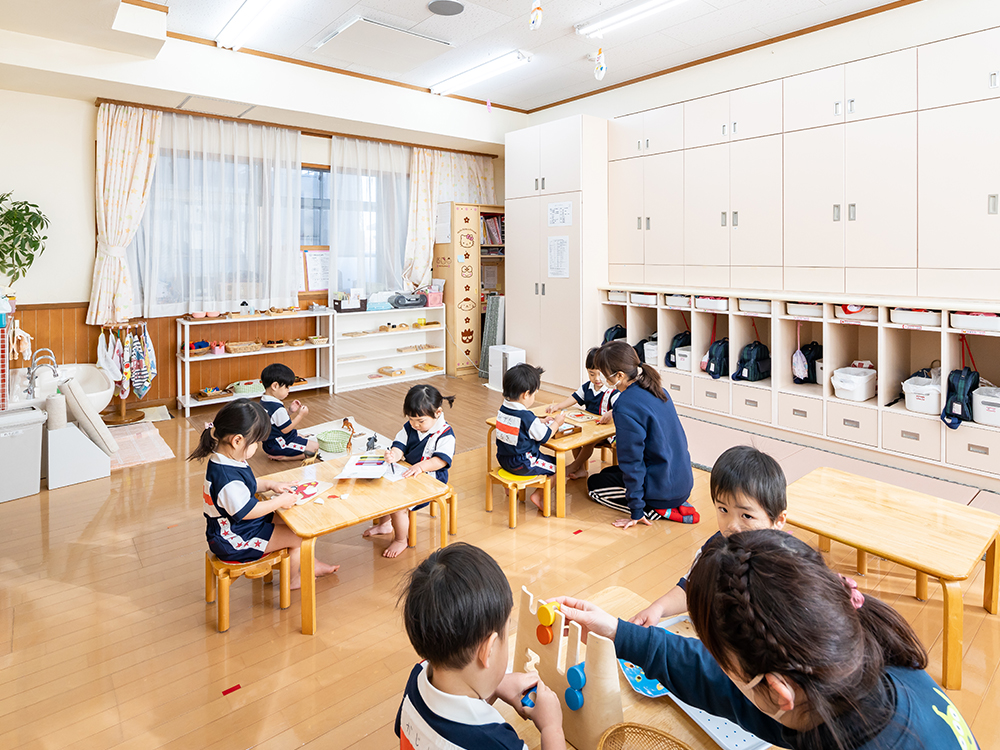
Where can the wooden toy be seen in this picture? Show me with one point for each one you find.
(427, 367)
(578, 415)
(600, 699)
(391, 372)
(544, 634)
(577, 676)
(547, 613)
(348, 334)
(427, 324)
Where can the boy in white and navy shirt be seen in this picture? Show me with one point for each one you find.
(456, 610)
(284, 443)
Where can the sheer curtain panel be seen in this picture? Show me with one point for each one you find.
(223, 224)
(369, 196)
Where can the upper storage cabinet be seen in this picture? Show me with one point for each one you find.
(744, 113)
(548, 159)
(653, 132)
(963, 69)
(814, 99)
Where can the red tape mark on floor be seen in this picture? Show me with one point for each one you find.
(227, 691)
(174, 526)
(578, 531)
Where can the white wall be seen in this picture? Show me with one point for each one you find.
(47, 157)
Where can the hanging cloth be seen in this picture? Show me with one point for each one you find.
(140, 377)
(118, 356)
(150, 353)
(105, 358)
(126, 384)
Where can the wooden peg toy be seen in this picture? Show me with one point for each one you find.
(574, 699)
(576, 676)
(547, 613)
(544, 634)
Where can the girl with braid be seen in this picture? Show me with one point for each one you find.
(792, 652)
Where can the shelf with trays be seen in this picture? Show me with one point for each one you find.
(323, 352)
(359, 381)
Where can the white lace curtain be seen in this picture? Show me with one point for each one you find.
(223, 222)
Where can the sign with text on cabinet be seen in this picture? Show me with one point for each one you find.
(561, 214)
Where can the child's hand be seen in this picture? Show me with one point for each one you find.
(547, 711)
(393, 455)
(303, 409)
(512, 688)
(287, 500)
(628, 523)
(413, 471)
(280, 488)
(294, 406)
(649, 617)
(590, 617)
(550, 408)
(605, 419)
(558, 420)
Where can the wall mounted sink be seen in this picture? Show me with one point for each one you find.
(94, 381)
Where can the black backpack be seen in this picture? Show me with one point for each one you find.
(681, 339)
(718, 358)
(640, 350)
(958, 404)
(615, 332)
(812, 352)
(754, 362)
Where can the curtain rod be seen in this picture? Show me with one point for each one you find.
(305, 131)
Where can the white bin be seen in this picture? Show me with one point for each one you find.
(711, 303)
(678, 300)
(923, 395)
(854, 383)
(683, 354)
(969, 322)
(755, 305)
(646, 300)
(805, 309)
(986, 406)
(651, 351)
(617, 296)
(20, 453)
(849, 312)
(906, 316)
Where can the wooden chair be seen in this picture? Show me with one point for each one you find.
(452, 512)
(219, 575)
(514, 483)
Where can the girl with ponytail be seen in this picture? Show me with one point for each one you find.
(239, 527)
(653, 478)
(792, 652)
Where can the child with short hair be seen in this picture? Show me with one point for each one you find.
(239, 527)
(748, 491)
(284, 442)
(596, 397)
(520, 434)
(427, 443)
(456, 608)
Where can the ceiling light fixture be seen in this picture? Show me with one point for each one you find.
(345, 26)
(480, 73)
(247, 19)
(623, 16)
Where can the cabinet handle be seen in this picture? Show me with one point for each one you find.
(723, 218)
(836, 109)
(734, 128)
(850, 106)
(638, 222)
(543, 290)
(993, 80)
(536, 183)
(836, 212)
(852, 423)
(907, 435)
(981, 449)
(543, 183)
(852, 212)
(750, 402)
(647, 143)
(736, 218)
(638, 145)
(723, 129)
(647, 222)
(992, 204)
(800, 413)
(711, 394)
(674, 387)
(536, 287)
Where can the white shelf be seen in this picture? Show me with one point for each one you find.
(356, 314)
(187, 401)
(262, 350)
(814, 390)
(355, 382)
(254, 318)
(388, 355)
(405, 331)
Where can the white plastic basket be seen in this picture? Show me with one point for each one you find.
(986, 406)
(617, 296)
(711, 303)
(805, 309)
(966, 322)
(640, 298)
(854, 383)
(865, 313)
(683, 354)
(923, 395)
(678, 300)
(754, 305)
(931, 318)
(651, 351)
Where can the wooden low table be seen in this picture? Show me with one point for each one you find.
(591, 432)
(933, 536)
(367, 499)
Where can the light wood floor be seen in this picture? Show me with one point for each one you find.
(106, 640)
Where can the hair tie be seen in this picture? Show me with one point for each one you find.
(639, 368)
(857, 598)
(211, 430)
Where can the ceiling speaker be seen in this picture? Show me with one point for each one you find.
(445, 7)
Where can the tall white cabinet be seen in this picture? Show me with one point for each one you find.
(557, 244)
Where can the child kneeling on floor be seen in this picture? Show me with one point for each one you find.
(284, 442)
(456, 609)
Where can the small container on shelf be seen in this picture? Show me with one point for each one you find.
(856, 312)
(986, 406)
(967, 321)
(347, 305)
(683, 354)
(651, 352)
(923, 395)
(617, 296)
(854, 383)
(678, 300)
(754, 305)
(640, 298)
(908, 316)
(243, 347)
(805, 309)
(712, 303)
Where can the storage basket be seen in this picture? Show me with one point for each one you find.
(343, 305)
(629, 736)
(243, 347)
(986, 406)
(246, 388)
(678, 300)
(754, 305)
(905, 316)
(201, 351)
(640, 298)
(617, 296)
(805, 309)
(711, 303)
(333, 441)
(854, 383)
(923, 395)
(970, 322)
(651, 352)
(683, 355)
(856, 312)
(434, 298)
(318, 339)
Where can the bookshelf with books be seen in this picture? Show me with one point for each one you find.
(491, 252)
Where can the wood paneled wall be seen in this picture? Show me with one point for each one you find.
(63, 329)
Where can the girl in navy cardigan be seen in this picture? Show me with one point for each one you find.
(653, 478)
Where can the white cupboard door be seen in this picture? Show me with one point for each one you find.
(814, 99)
(963, 69)
(755, 202)
(880, 192)
(561, 158)
(663, 129)
(883, 85)
(706, 206)
(560, 343)
(521, 163)
(959, 186)
(814, 213)
(625, 136)
(755, 111)
(706, 121)
(522, 285)
(626, 221)
(663, 219)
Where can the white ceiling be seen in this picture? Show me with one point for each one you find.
(691, 30)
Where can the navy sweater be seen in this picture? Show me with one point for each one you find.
(924, 718)
(652, 451)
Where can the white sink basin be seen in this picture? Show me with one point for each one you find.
(94, 381)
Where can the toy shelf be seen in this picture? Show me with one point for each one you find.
(357, 382)
(262, 350)
(186, 401)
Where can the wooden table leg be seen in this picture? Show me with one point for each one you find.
(921, 586)
(489, 449)
(862, 563)
(307, 564)
(952, 652)
(443, 502)
(411, 535)
(992, 578)
(453, 507)
(560, 484)
(824, 544)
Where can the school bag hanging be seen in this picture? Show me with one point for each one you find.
(640, 350)
(615, 332)
(704, 359)
(804, 359)
(961, 384)
(718, 358)
(681, 339)
(754, 362)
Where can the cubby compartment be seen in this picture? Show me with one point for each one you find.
(789, 333)
(669, 324)
(640, 322)
(703, 326)
(800, 413)
(974, 447)
(848, 342)
(905, 432)
(852, 422)
(745, 329)
(751, 402)
(677, 384)
(612, 315)
(711, 394)
(904, 351)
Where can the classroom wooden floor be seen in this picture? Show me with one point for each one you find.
(106, 640)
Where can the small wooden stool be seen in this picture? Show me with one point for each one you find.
(219, 574)
(514, 483)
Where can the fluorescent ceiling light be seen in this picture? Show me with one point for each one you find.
(246, 20)
(624, 16)
(345, 26)
(487, 70)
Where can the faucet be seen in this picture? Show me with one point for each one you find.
(38, 360)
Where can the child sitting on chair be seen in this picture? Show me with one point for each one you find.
(520, 434)
(284, 443)
(456, 609)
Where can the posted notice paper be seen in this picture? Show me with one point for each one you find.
(558, 257)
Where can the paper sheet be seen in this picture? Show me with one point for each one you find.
(317, 270)
(308, 490)
(365, 466)
(559, 257)
(561, 214)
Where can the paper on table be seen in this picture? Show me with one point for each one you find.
(394, 473)
(308, 490)
(365, 466)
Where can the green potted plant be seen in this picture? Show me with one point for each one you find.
(21, 238)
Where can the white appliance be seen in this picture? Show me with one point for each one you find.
(502, 358)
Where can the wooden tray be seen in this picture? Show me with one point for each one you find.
(202, 396)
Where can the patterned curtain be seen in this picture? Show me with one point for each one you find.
(438, 177)
(127, 139)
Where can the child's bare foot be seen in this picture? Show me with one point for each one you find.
(536, 500)
(395, 548)
(379, 529)
(324, 569)
(578, 474)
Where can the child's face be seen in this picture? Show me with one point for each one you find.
(742, 513)
(279, 391)
(424, 423)
(596, 379)
(527, 399)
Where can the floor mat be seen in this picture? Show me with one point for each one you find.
(138, 443)
(156, 414)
